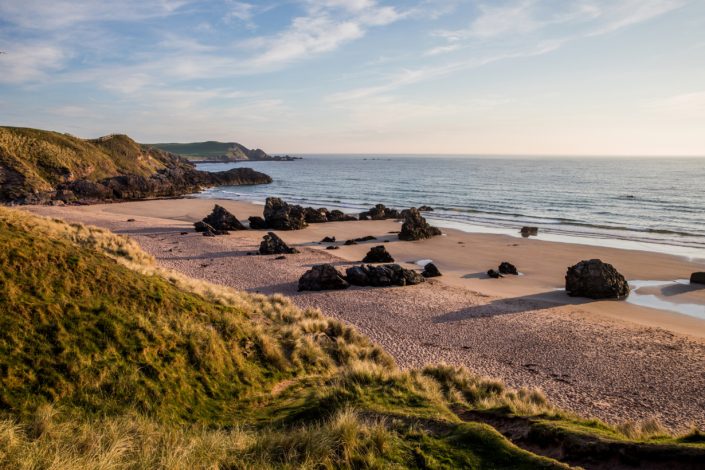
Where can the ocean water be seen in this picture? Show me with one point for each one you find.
(644, 203)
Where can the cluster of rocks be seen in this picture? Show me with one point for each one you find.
(327, 277)
(273, 245)
(219, 222)
(280, 215)
(380, 212)
(505, 268)
(595, 280)
(355, 241)
(415, 227)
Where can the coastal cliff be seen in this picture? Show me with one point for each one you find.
(38, 166)
(219, 152)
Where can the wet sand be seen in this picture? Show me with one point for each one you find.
(604, 358)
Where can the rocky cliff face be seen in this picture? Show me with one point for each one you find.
(40, 167)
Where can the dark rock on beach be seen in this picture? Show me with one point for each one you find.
(322, 277)
(383, 276)
(328, 240)
(350, 242)
(378, 254)
(339, 216)
(222, 219)
(529, 231)
(595, 280)
(279, 215)
(333, 247)
(415, 227)
(697, 278)
(316, 216)
(273, 245)
(430, 270)
(508, 268)
(380, 212)
(425, 209)
(257, 223)
(494, 274)
(207, 229)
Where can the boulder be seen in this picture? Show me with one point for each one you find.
(207, 229)
(322, 277)
(333, 247)
(380, 212)
(383, 276)
(494, 274)
(328, 240)
(529, 231)
(595, 280)
(222, 219)
(697, 278)
(430, 270)
(378, 254)
(425, 209)
(415, 227)
(508, 268)
(273, 245)
(338, 216)
(257, 223)
(316, 216)
(279, 215)
(366, 238)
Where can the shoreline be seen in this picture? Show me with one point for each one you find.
(696, 254)
(608, 359)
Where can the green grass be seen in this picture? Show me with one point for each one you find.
(39, 160)
(108, 361)
(210, 150)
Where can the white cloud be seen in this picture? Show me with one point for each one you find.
(30, 62)
(327, 25)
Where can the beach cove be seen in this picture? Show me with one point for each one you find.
(614, 360)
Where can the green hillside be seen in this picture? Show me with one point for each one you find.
(212, 150)
(37, 160)
(107, 361)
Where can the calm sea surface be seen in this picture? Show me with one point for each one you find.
(646, 202)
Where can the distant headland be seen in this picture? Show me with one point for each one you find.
(220, 152)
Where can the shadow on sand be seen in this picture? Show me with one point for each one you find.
(526, 303)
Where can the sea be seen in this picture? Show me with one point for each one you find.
(652, 204)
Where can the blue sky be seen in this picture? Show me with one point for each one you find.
(586, 77)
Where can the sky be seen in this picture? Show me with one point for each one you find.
(521, 77)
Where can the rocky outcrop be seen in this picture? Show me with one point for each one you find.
(697, 278)
(279, 215)
(431, 270)
(222, 219)
(273, 245)
(508, 268)
(322, 277)
(39, 167)
(595, 280)
(415, 227)
(382, 276)
(425, 209)
(378, 254)
(380, 212)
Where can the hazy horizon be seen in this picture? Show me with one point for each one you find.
(532, 78)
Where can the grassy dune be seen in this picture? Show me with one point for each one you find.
(108, 361)
(39, 160)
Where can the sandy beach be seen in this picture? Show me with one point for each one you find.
(614, 360)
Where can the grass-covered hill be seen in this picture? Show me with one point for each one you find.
(35, 163)
(213, 151)
(107, 361)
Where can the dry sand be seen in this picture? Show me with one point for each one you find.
(607, 359)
